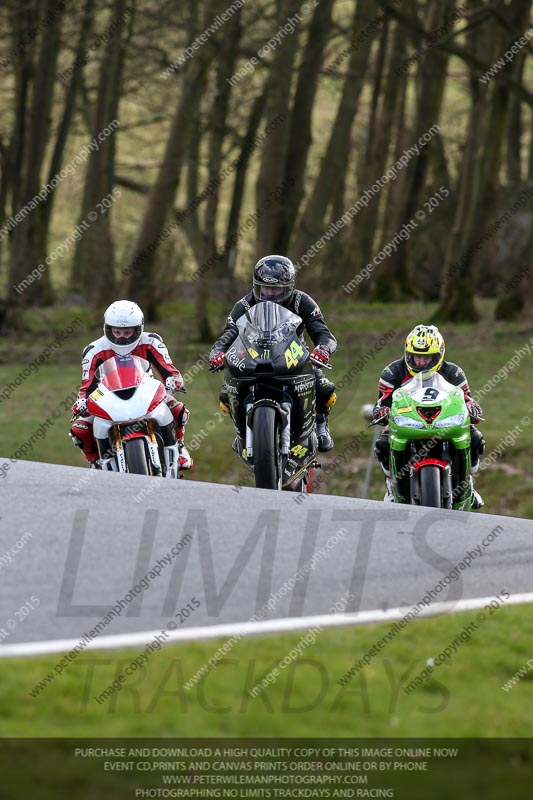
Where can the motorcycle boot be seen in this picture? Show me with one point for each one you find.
(389, 497)
(477, 500)
(185, 458)
(325, 441)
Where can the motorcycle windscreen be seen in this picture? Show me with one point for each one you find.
(267, 321)
(417, 387)
(122, 372)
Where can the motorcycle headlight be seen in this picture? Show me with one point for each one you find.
(451, 422)
(407, 422)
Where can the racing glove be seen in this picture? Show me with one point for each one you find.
(380, 413)
(174, 383)
(217, 362)
(475, 410)
(80, 407)
(320, 355)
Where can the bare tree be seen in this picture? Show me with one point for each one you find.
(300, 138)
(141, 270)
(96, 248)
(34, 98)
(337, 154)
(271, 171)
(481, 163)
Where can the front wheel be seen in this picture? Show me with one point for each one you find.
(430, 486)
(266, 449)
(135, 455)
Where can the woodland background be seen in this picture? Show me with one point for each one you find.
(203, 186)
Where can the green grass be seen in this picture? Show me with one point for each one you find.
(480, 350)
(463, 699)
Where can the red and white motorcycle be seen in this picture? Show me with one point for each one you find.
(133, 426)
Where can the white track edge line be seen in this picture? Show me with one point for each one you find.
(123, 640)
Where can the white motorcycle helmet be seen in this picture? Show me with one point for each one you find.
(123, 314)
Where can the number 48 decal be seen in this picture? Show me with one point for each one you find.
(293, 354)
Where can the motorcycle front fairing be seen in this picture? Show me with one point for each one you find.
(126, 402)
(126, 393)
(429, 423)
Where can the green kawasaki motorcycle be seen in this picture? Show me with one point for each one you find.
(429, 436)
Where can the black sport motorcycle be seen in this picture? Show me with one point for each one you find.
(271, 390)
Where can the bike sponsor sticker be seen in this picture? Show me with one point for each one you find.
(304, 386)
(299, 451)
(233, 358)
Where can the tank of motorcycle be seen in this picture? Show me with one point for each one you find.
(267, 343)
(407, 424)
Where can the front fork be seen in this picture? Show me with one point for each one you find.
(171, 452)
(285, 443)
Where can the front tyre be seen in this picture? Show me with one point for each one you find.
(266, 450)
(430, 486)
(135, 455)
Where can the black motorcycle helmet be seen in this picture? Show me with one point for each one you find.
(274, 278)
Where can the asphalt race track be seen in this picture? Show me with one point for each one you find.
(288, 559)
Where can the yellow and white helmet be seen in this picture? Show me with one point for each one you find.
(424, 350)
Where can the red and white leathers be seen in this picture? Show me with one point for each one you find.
(150, 347)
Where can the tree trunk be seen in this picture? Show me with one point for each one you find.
(69, 106)
(391, 283)
(394, 279)
(514, 129)
(241, 169)
(300, 138)
(480, 171)
(28, 240)
(271, 170)
(530, 157)
(217, 126)
(95, 247)
(372, 168)
(337, 155)
(141, 270)
(517, 296)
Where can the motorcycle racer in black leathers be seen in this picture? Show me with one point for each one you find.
(274, 279)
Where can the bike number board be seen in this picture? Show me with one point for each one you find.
(293, 354)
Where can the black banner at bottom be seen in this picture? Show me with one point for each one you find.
(126, 769)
